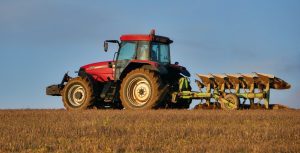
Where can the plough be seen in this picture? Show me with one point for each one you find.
(228, 89)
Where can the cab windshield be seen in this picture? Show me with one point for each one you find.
(160, 52)
(143, 50)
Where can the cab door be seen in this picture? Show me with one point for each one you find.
(126, 53)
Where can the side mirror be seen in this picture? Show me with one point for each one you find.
(105, 46)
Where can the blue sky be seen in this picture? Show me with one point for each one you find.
(42, 39)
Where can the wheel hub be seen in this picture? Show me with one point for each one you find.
(139, 91)
(76, 95)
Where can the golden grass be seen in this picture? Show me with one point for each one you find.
(150, 131)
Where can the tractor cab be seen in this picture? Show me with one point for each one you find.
(143, 47)
(140, 49)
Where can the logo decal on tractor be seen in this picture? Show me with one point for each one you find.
(97, 67)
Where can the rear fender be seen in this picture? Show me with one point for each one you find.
(179, 69)
(132, 66)
(153, 66)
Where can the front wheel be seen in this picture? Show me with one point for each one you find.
(140, 89)
(77, 94)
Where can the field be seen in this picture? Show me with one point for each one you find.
(150, 131)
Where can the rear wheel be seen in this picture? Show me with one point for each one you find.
(140, 89)
(78, 94)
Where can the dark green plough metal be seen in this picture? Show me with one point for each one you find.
(228, 89)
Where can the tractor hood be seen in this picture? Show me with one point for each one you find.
(100, 71)
(98, 65)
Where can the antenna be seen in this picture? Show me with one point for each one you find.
(152, 32)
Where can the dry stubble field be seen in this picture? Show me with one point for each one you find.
(150, 131)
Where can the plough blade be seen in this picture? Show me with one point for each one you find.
(275, 83)
(245, 81)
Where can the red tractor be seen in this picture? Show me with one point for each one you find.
(140, 76)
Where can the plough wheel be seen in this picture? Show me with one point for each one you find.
(234, 102)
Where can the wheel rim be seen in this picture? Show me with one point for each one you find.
(139, 91)
(76, 95)
(231, 101)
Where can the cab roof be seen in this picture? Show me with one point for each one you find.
(146, 37)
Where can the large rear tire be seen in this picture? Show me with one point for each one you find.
(141, 89)
(78, 94)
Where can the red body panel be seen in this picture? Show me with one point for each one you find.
(101, 71)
